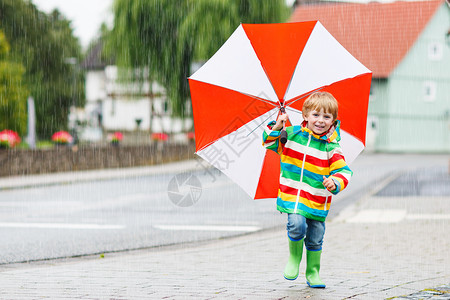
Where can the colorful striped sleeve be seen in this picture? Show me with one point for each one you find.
(271, 138)
(339, 171)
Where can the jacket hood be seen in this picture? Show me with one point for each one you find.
(333, 135)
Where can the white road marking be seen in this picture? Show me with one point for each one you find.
(208, 228)
(60, 226)
(378, 216)
(428, 217)
(37, 203)
(391, 216)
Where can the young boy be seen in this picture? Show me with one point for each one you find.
(312, 169)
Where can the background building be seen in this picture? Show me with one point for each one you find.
(115, 102)
(407, 47)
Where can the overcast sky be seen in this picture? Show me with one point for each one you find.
(86, 15)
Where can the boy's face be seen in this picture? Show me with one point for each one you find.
(319, 121)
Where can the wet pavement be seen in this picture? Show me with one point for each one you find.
(65, 220)
(390, 241)
(432, 181)
(436, 293)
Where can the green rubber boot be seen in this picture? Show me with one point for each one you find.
(295, 257)
(313, 268)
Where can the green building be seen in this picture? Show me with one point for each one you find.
(407, 47)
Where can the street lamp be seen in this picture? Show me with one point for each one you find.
(73, 127)
(72, 61)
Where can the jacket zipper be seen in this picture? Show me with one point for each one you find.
(301, 174)
(329, 173)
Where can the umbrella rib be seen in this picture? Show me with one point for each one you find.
(261, 99)
(293, 110)
(207, 145)
(261, 123)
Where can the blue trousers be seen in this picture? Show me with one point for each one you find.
(299, 227)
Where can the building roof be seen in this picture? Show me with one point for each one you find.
(94, 59)
(378, 34)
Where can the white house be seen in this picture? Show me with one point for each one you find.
(114, 103)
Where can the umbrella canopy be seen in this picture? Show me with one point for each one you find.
(9, 138)
(259, 69)
(160, 136)
(115, 137)
(62, 137)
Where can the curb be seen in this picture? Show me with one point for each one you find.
(30, 181)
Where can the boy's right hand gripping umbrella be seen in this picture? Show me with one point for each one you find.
(261, 69)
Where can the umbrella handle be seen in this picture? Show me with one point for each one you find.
(283, 136)
(283, 133)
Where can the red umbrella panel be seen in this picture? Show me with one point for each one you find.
(260, 68)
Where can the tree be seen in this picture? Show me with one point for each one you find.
(42, 43)
(167, 36)
(12, 94)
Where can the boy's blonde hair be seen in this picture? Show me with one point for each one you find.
(321, 100)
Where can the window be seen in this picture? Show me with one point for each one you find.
(435, 51)
(429, 91)
(113, 107)
(372, 91)
(372, 122)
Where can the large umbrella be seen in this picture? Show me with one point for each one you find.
(9, 138)
(62, 137)
(260, 69)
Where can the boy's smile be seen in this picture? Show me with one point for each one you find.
(319, 122)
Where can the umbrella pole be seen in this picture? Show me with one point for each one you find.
(283, 133)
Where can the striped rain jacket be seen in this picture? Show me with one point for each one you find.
(305, 159)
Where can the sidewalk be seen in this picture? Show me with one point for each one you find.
(27, 181)
(379, 247)
(360, 261)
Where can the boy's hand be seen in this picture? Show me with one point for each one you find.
(329, 183)
(280, 122)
